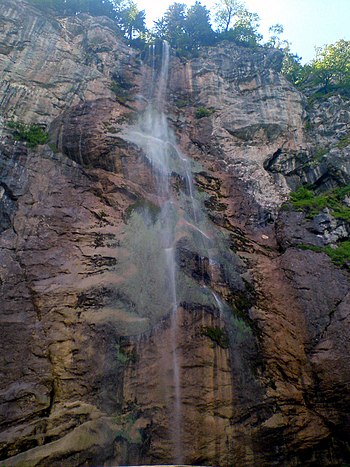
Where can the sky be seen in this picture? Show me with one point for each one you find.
(307, 23)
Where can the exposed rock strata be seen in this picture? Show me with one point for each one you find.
(79, 367)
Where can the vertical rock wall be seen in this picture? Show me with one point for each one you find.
(264, 383)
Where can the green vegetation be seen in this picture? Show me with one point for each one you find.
(340, 254)
(319, 153)
(331, 66)
(127, 429)
(185, 30)
(143, 207)
(316, 157)
(120, 86)
(33, 135)
(236, 24)
(188, 28)
(203, 112)
(328, 72)
(307, 201)
(125, 13)
(344, 141)
(181, 103)
(121, 94)
(73, 7)
(217, 335)
(125, 356)
(121, 357)
(130, 19)
(241, 330)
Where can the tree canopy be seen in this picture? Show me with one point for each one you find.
(226, 12)
(187, 29)
(328, 72)
(198, 26)
(331, 66)
(73, 7)
(171, 27)
(130, 19)
(125, 13)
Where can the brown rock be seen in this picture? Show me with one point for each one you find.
(88, 343)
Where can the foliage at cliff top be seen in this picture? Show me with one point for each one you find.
(189, 28)
(126, 14)
(185, 28)
(328, 72)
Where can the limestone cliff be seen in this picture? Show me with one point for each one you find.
(86, 364)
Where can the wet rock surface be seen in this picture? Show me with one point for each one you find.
(264, 371)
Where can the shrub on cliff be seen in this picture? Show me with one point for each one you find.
(202, 112)
(33, 135)
(307, 201)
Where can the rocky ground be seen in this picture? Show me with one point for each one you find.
(80, 363)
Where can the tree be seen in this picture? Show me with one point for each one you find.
(197, 26)
(292, 68)
(225, 13)
(73, 7)
(245, 29)
(275, 41)
(185, 30)
(131, 20)
(125, 13)
(237, 24)
(332, 65)
(172, 26)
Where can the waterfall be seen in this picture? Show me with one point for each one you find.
(153, 135)
(179, 218)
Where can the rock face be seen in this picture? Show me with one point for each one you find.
(87, 364)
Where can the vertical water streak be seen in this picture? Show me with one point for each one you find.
(220, 306)
(180, 223)
(177, 418)
(163, 133)
(153, 136)
(163, 78)
(152, 53)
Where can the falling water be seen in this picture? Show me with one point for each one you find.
(180, 216)
(153, 135)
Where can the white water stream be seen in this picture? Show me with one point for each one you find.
(153, 135)
(179, 212)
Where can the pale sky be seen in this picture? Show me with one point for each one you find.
(307, 23)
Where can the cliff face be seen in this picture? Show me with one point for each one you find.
(86, 354)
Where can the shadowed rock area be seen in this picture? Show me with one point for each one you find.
(87, 360)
